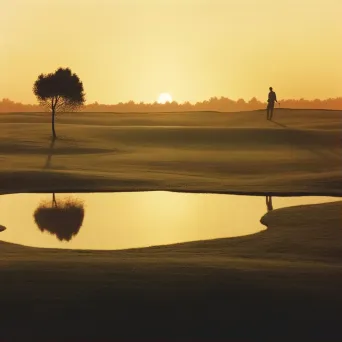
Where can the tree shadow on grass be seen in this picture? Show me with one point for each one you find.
(61, 218)
(50, 154)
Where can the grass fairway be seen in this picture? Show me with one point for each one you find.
(278, 285)
(216, 152)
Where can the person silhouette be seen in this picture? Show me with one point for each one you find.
(272, 97)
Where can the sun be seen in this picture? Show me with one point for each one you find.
(164, 97)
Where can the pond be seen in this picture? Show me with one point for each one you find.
(133, 219)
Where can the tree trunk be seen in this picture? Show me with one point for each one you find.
(54, 136)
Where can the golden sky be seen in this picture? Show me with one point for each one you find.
(193, 49)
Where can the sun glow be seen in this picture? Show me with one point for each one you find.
(164, 97)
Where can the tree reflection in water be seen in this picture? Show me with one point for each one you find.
(62, 218)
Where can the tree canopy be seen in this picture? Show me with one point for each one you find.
(60, 91)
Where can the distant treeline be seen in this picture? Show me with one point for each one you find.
(221, 104)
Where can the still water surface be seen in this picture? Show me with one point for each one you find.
(133, 219)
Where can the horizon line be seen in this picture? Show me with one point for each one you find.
(212, 98)
(174, 112)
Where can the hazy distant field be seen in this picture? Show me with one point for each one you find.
(300, 152)
(283, 284)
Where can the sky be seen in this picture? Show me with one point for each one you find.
(193, 49)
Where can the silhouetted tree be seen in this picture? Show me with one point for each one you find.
(60, 91)
(63, 219)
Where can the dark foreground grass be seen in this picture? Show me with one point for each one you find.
(278, 285)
